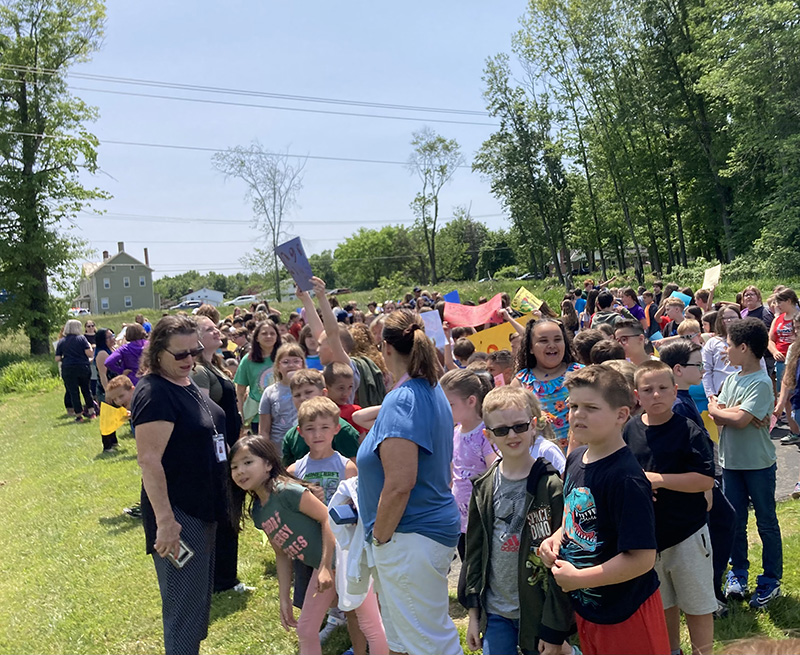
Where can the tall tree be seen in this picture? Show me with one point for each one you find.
(273, 181)
(434, 160)
(44, 145)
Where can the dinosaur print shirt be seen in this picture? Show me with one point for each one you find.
(608, 509)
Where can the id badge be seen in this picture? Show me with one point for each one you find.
(219, 448)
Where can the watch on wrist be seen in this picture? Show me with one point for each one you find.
(375, 541)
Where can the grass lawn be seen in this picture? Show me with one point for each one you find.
(74, 577)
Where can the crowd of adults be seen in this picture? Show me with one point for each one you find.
(198, 383)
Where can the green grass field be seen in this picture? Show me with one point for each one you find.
(75, 578)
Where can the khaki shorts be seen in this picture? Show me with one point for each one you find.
(686, 572)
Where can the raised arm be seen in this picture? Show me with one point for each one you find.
(312, 318)
(330, 323)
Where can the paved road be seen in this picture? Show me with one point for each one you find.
(788, 466)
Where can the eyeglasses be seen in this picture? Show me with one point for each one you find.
(698, 365)
(691, 336)
(750, 295)
(503, 430)
(90, 325)
(187, 353)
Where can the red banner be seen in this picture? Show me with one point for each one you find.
(469, 316)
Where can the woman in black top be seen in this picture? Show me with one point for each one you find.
(74, 354)
(211, 377)
(180, 437)
(105, 343)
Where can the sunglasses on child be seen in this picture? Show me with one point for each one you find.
(503, 430)
(187, 353)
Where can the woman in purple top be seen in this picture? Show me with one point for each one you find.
(125, 359)
(631, 302)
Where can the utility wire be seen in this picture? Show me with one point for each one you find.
(244, 92)
(207, 149)
(206, 101)
(114, 216)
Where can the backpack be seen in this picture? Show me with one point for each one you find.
(371, 390)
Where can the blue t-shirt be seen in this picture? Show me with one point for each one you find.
(685, 406)
(420, 413)
(580, 305)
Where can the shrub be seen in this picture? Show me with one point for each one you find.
(28, 376)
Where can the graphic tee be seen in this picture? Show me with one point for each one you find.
(325, 472)
(470, 450)
(296, 534)
(345, 442)
(254, 375)
(677, 446)
(277, 402)
(608, 509)
(502, 592)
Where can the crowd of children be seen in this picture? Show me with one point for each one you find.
(603, 464)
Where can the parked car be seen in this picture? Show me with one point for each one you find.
(337, 292)
(241, 301)
(529, 276)
(78, 311)
(188, 304)
(485, 279)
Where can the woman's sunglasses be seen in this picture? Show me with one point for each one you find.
(503, 430)
(187, 353)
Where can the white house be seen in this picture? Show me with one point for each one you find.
(208, 296)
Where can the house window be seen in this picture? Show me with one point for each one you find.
(113, 268)
(142, 281)
(128, 301)
(106, 283)
(126, 282)
(133, 267)
(103, 303)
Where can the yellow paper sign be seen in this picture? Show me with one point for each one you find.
(524, 301)
(713, 430)
(711, 277)
(496, 338)
(112, 418)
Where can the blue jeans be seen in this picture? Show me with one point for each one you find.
(780, 367)
(758, 486)
(501, 635)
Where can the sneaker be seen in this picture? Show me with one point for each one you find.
(335, 619)
(736, 585)
(790, 439)
(722, 610)
(796, 492)
(765, 592)
(242, 588)
(134, 511)
(80, 418)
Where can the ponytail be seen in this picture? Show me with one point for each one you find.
(405, 332)
(466, 383)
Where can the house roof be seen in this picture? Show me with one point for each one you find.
(91, 268)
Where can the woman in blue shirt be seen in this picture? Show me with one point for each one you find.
(409, 514)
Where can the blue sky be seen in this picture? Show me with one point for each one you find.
(412, 53)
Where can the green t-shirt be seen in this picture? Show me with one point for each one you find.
(296, 534)
(345, 443)
(747, 448)
(256, 376)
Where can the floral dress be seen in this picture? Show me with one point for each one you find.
(552, 394)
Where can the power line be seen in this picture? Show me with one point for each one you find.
(207, 149)
(206, 101)
(245, 92)
(114, 216)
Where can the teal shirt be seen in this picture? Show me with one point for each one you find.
(747, 448)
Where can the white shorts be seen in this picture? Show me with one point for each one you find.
(686, 572)
(410, 575)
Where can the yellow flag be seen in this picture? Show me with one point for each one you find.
(713, 430)
(524, 301)
(496, 338)
(112, 418)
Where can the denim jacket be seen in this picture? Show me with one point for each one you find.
(545, 610)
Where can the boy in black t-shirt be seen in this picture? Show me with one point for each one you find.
(678, 461)
(603, 555)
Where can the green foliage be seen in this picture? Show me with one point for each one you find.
(40, 183)
(366, 256)
(29, 376)
(507, 273)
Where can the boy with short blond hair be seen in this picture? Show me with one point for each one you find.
(673, 310)
(309, 383)
(339, 381)
(604, 553)
(678, 461)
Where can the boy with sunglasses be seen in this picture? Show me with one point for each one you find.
(511, 596)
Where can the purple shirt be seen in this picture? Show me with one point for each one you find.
(127, 357)
(637, 312)
(469, 460)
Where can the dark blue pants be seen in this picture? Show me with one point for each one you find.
(501, 636)
(756, 486)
